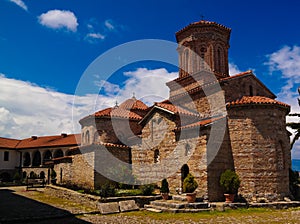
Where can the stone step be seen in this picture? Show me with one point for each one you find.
(180, 205)
(182, 197)
(153, 210)
(174, 210)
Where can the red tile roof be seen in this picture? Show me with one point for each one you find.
(258, 100)
(249, 72)
(176, 109)
(203, 23)
(125, 110)
(117, 112)
(8, 143)
(201, 123)
(133, 104)
(50, 141)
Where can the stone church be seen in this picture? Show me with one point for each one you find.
(210, 122)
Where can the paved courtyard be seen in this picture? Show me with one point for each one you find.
(33, 207)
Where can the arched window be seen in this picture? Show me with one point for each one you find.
(47, 156)
(26, 159)
(42, 175)
(250, 91)
(36, 159)
(87, 137)
(24, 174)
(186, 61)
(58, 153)
(156, 156)
(82, 137)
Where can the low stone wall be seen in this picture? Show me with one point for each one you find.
(91, 200)
(84, 199)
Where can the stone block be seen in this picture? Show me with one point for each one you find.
(129, 205)
(109, 208)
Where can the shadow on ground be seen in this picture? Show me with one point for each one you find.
(18, 209)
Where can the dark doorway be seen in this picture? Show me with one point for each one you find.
(184, 172)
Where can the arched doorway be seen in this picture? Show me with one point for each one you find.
(36, 159)
(184, 172)
(27, 159)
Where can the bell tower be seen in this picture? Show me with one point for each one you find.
(202, 46)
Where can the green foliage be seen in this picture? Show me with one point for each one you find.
(230, 181)
(128, 192)
(123, 174)
(107, 190)
(147, 189)
(164, 186)
(17, 177)
(53, 174)
(189, 184)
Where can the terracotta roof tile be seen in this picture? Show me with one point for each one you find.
(201, 123)
(249, 72)
(50, 141)
(133, 104)
(247, 100)
(125, 110)
(176, 109)
(8, 143)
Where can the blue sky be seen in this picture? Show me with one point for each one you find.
(45, 47)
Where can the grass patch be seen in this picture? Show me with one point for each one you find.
(128, 192)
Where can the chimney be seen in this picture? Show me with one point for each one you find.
(34, 137)
(64, 135)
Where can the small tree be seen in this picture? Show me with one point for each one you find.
(17, 177)
(164, 186)
(230, 182)
(147, 189)
(189, 184)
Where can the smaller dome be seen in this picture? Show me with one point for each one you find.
(133, 104)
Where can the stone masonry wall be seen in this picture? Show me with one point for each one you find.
(80, 172)
(260, 147)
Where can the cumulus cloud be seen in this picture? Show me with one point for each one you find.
(233, 69)
(285, 63)
(58, 19)
(20, 3)
(27, 109)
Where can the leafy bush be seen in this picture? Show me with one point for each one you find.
(230, 182)
(17, 177)
(164, 186)
(189, 184)
(107, 190)
(131, 192)
(147, 189)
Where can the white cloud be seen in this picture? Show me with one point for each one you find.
(286, 63)
(58, 19)
(94, 37)
(20, 3)
(109, 25)
(233, 69)
(27, 109)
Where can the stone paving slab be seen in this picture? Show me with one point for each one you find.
(127, 206)
(109, 208)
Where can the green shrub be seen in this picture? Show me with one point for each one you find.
(17, 177)
(147, 189)
(230, 182)
(107, 190)
(164, 186)
(189, 184)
